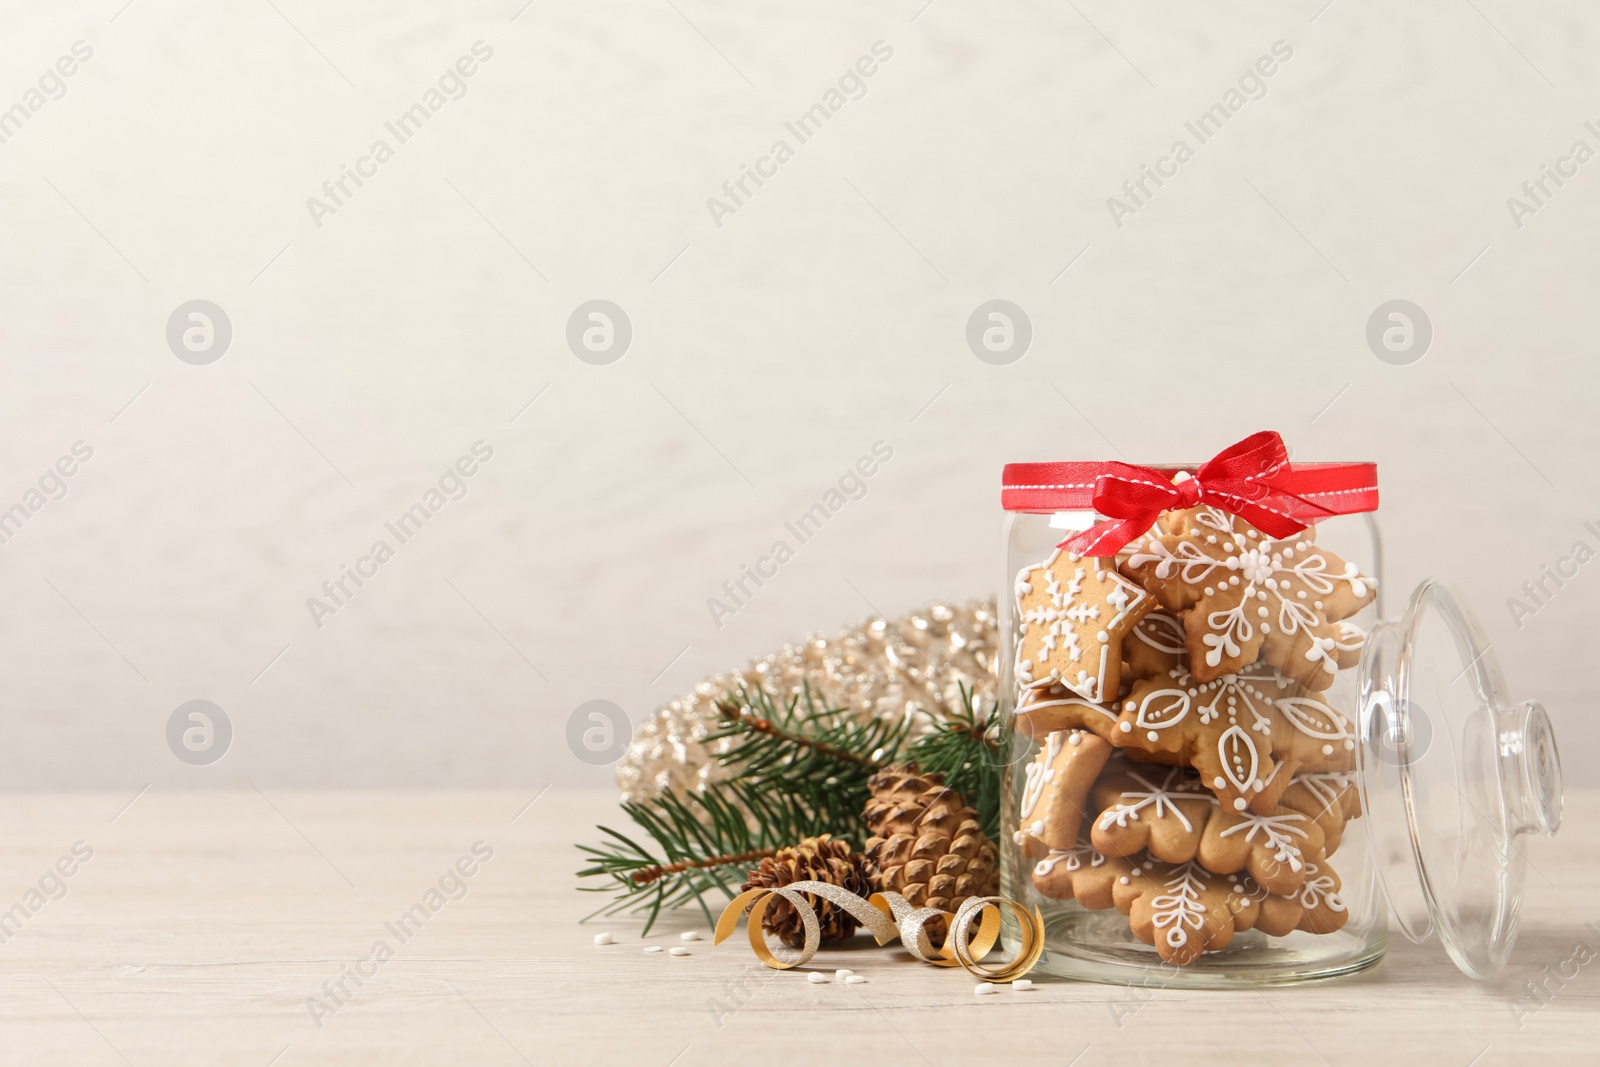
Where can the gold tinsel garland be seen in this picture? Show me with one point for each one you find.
(908, 668)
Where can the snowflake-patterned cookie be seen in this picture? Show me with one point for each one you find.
(1176, 819)
(1248, 596)
(1073, 613)
(1247, 734)
(1163, 810)
(1275, 848)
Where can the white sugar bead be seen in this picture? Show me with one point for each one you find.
(689, 935)
(855, 979)
(843, 972)
(1022, 983)
(818, 978)
(604, 939)
(677, 950)
(985, 989)
(652, 948)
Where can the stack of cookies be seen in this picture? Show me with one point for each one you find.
(1191, 773)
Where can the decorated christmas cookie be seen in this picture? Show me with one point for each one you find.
(1073, 614)
(1055, 791)
(1157, 646)
(1055, 707)
(1274, 848)
(1176, 819)
(1183, 909)
(1247, 596)
(1247, 734)
(1164, 810)
(1315, 907)
(1080, 873)
(1330, 798)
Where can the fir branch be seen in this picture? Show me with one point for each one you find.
(818, 756)
(968, 748)
(746, 719)
(795, 771)
(646, 875)
(693, 848)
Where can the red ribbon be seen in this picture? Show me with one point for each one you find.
(1252, 479)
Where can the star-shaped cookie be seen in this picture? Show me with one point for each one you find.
(1073, 613)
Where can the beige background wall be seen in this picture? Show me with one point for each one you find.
(768, 353)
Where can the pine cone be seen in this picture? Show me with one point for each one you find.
(927, 844)
(816, 859)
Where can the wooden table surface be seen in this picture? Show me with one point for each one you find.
(209, 928)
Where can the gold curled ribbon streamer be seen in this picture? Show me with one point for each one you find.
(887, 915)
(1031, 924)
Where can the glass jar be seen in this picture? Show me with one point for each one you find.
(1223, 768)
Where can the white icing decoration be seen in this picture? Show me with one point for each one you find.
(1072, 857)
(1319, 889)
(1327, 786)
(1277, 831)
(1039, 772)
(1179, 910)
(1233, 746)
(1314, 718)
(1161, 798)
(1162, 633)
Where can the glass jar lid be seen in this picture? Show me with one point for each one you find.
(1453, 774)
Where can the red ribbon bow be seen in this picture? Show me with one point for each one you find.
(1252, 479)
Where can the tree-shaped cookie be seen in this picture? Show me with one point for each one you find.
(1248, 596)
(1174, 817)
(1073, 613)
(1246, 734)
(1055, 790)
